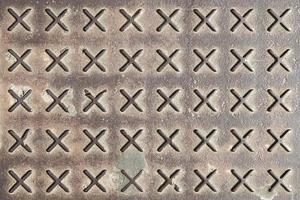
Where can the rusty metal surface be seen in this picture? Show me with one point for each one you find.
(153, 99)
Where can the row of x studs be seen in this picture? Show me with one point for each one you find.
(205, 140)
(168, 100)
(168, 181)
(241, 21)
(242, 60)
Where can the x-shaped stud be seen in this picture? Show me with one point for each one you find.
(94, 60)
(130, 20)
(241, 140)
(57, 60)
(204, 100)
(278, 60)
(241, 19)
(278, 180)
(167, 20)
(241, 60)
(132, 181)
(20, 141)
(241, 100)
(57, 181)
(56, 20)
(278, 140)
(19, 60)
(241, 180)
(20, 100)
(278, 19)
(94, 140)
(131, 60)
(205, 140)
(20, 181)
(205, 180)
(168, 180)
(167, 100)
(278, 100)
(93, 20)
(94, 180)
(168, 140)
(167, 60)
(94, 100)
(131, 140)
(19, 19)
(57, 100)
(204, 20)
(57, 140)
(204, 60)
(131, 100)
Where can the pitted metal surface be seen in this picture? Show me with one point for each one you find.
(141, 99)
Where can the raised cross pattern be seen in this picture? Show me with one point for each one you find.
(145, 101)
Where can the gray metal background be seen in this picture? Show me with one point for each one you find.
(132, 161)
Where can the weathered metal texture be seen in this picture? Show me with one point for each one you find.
(204, 90)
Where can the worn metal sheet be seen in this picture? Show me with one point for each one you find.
(149, 99)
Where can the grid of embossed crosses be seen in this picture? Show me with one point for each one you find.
(167, 100)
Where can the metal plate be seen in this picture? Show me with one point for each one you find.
(149, 99)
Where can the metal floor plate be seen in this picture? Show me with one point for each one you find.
(149, 99)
